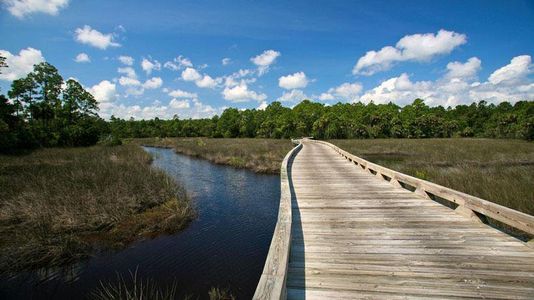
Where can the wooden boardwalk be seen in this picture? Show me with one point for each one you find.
(353, 235)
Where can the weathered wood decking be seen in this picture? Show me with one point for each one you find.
(355, 234)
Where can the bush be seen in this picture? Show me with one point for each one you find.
(110, 140)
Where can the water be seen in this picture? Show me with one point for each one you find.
(225, 246)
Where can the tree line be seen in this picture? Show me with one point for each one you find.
(43, 110)
(347, 120)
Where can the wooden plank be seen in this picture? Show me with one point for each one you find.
(355, 235)
(273, 279)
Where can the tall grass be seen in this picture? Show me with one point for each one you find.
(501, 171)
(57, 204)
(259, 155)
(136, 288)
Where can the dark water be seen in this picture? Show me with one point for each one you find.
(225, 246)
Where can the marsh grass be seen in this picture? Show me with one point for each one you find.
(134, 287)
(501, 171)
(259, 155)
(58, 205)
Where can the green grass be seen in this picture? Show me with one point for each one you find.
(501, 171)
(259, 155)
(57, 205)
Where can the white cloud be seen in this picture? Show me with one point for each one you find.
(467, 70)
(452, 91)
(226, 61)
(516, 71)
(326, 97)
(184, 109)
(179, 104)
(234, 78)
(241, 93)
(265, 60)
(203, 81)
(92, 37)
(294, 81)
(82, 58)
(21, 8)
(178, 63)
(293, 96)
(129, 81)
(104, 91)
(415, 47)
(182, 94)
(206, 82)
(190, 74)
(128, 71)
(20, 65)
(263, 105)
(127, 60)
(148, 66)
(153, 83)
(346, 91)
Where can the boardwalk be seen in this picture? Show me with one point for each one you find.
(354, 236)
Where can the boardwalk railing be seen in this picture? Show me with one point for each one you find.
(467, 205)
(272, 283)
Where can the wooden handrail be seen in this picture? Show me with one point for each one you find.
(272, 284)
(467, 204)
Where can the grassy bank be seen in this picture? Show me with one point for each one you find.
(259, 155)
(58, 205)
(501, 171)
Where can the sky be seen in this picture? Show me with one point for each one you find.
(193, 59)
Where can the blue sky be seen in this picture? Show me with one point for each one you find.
(148, 59)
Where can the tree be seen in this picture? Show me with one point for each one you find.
(77, 101)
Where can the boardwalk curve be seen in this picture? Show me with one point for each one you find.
(359, 230)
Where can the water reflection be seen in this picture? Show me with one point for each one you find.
(225, 246)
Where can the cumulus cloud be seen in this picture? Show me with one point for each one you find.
(178, 63)
(127, 60)
(263, 105)
(92, 37)
(265, 60)
(293, 96)
(346, 91)
(465, 70)
(191, 74)
(179, 104)
(241, 93)
(20, 65)
(129, 81)
(192, 108)
(182, 94)
(236, 78)
(128, 71)
(226, 61)
(82, 58)
(202, 81)
(148, 65)
(515, 72)
(153, 83)
(293, 81)
(206, 82)
(415, 47)
(462, 88)
(22, 8)
(104, 91)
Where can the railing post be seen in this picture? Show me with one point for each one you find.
(466, 212)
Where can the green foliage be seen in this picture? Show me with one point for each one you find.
(345, 120)
(43, 110)
(110, 140)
